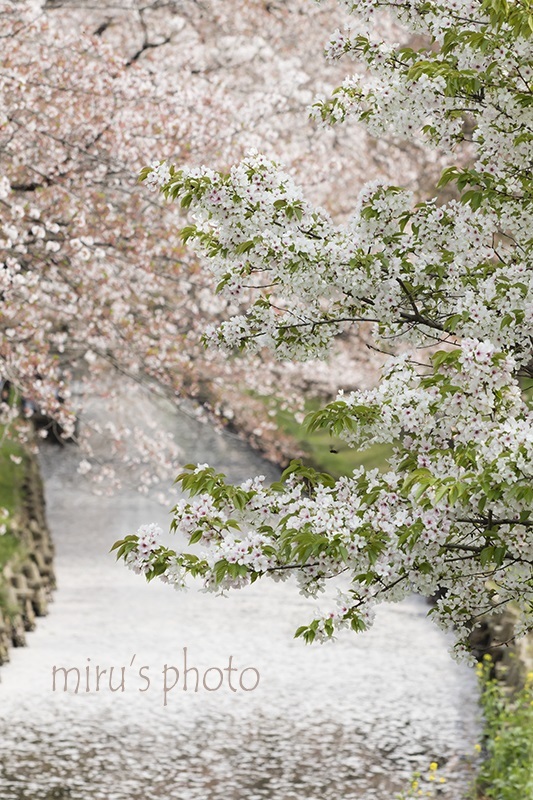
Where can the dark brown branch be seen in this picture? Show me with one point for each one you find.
(491, 523)
(144, 47)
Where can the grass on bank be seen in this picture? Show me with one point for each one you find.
(328, 453)
(11, 483)
(506, 772)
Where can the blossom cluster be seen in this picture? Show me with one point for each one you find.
(418, 273)
(446, 516)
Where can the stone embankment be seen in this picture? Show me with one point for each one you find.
(27, 580)
(512, 658)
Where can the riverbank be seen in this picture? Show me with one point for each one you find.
(506, 769)
(26, 550)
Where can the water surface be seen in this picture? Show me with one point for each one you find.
(351, 720)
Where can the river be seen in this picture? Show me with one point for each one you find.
(351, 720)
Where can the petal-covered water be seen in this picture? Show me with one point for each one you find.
(351, 720)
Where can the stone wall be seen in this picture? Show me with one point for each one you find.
(512, 658)
(27, 580)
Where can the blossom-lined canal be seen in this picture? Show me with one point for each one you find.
(351, 720)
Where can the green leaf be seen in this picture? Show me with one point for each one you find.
(244, 247)
(187, 233)
(448, 175)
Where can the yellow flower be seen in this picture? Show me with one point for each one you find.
(487, 657)
(442, 780)
(433, 766)
(414, 785)
(431, 777)
(477, 748)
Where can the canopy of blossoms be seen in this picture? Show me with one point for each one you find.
(94, 277)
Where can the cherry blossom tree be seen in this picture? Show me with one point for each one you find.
(449, 282)
(93, 280)
(85, 273)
